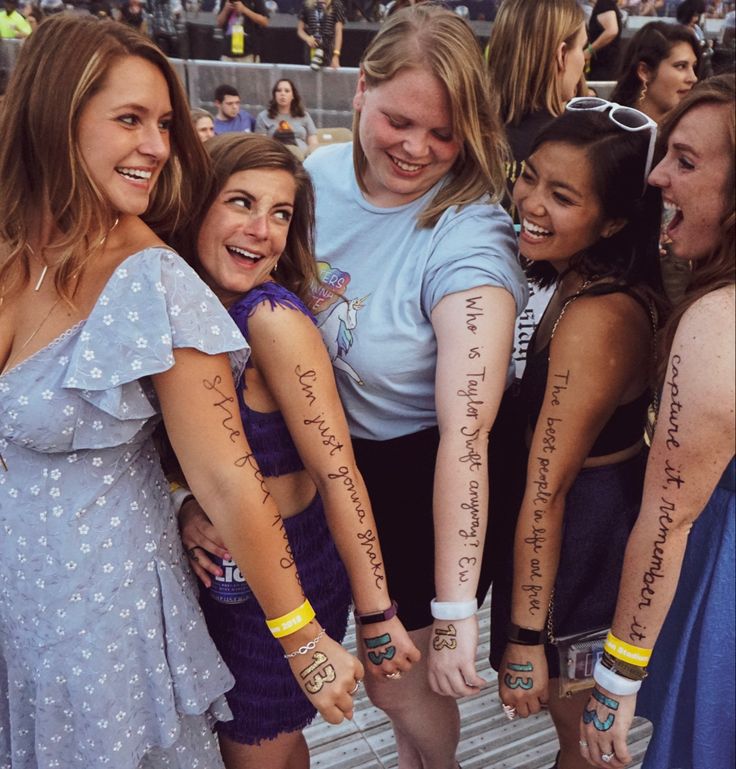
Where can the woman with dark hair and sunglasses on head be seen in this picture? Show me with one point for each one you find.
(676, 601)
(589, 228)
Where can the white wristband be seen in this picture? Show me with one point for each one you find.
(453, 609)
(613, 682)
(179, 497)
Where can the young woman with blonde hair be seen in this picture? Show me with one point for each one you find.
(104, 330)
(420, 337)
(536, 60)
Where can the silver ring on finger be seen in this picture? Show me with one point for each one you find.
(607, 757)
(394, 676)
(358, 682)
(583, 744)
(509, 711)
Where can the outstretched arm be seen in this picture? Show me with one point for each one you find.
(693, 443)
(597, 359)
(201, 415)
(474, 331)
(290, 355)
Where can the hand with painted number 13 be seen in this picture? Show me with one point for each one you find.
(523, 679)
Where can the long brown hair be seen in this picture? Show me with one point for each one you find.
(717, 269)
(296, 108)
(436, 40)
(61, 66)
(234, 152)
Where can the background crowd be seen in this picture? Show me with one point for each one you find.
(241, 396)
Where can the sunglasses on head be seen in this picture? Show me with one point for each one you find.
(626, 118)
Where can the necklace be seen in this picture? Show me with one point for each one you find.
(45, 269)
(570, 299)
(39, 282)
(25, 344)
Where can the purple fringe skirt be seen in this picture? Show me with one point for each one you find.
(266, 700)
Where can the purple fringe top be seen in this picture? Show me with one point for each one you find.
(267, 433)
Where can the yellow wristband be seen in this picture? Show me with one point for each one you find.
(174, 486)
(336, 52)
(291, 622)
(634, 655)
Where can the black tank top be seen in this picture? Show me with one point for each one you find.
(623, 429)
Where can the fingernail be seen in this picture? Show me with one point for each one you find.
(227, 556)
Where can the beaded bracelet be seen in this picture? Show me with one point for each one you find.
(289, 623)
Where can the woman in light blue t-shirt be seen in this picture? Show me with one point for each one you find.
(422, 289)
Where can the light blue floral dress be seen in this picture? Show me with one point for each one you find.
(104, 655)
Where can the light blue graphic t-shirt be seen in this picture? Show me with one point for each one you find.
(387, 276)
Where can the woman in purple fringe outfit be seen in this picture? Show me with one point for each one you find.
(253, 246)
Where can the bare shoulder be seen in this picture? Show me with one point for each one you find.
(703, 348)
(280, 332)
(279, 320)
(707, 329)
(610, 320)
(716, 307)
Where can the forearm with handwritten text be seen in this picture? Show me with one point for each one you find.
(538, 532)
(346, 492)
(669, 476)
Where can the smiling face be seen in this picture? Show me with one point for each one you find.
(406, 135)
(123, 134)
(673, 80)
(693, 177)
(244, 232)
(571, 62)
(205, 128)
(284, 95)
(558, 206)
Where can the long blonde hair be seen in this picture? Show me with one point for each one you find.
(60, 67)
(522, 55)
(430, 38)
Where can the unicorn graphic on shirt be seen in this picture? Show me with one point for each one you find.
(337, 327)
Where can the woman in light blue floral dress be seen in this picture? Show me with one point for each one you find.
(104, 655)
